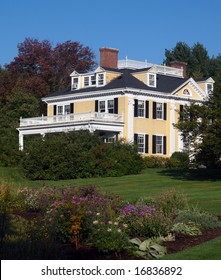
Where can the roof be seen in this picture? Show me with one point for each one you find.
(166, 84)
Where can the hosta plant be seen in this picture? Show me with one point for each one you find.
(147, 249)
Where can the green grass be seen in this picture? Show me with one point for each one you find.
(202, 187)
(209, 250)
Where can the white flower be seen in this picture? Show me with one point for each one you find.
(98, 214)
(109, 229)
(95, 222)
(116, 223)
(119, 230)
(125, 225)
(110, 222)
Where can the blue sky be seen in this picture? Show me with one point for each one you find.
(140, 29)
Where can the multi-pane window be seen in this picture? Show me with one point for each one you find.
(159, 144)
(110, 106)
(106, 106)
(86, 81)
(102, 106)
(159, 110)
(140, 143)
(74, 83)
(152, 80)
(93, 80)
(209, 88)
(63, 109)
(60, 110)
(141, 108)
(100, 79)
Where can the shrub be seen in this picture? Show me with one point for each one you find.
(109, 236)
(179, 160)
(144, 220)
(203, 218)
(170, 202)
(78, 154)
(156, 162)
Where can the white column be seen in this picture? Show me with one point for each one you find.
(172, 129)
(130, 119)
(21, 141)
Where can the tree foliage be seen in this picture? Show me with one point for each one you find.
(200, 126)
(41, 68)
(20, 104)
(199, 64)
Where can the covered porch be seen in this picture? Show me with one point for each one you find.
(109, 125)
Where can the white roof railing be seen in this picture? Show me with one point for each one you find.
(161, 69)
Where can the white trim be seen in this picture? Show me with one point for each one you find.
(130, 120)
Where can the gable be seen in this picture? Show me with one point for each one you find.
(190, 90)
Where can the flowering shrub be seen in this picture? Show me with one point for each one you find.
(144, 220)
(109, 236)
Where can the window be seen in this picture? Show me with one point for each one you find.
(74, 83)
(140, 143)
(159, 111)
(100, 79)
(86, 81)
(65, 109)
(151, 80)
(141, 108)
(102, 105)
(141, 140)
(93, 80)
(186, 92)
(209, 88)
(110, 106)
(107, 106)
(159, 144)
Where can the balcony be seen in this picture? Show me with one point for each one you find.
(70, 118)
(62, 123)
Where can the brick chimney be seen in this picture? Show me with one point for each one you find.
(108, 57)
(180, 65)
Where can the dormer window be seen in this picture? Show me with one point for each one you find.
(100, 79)
(209, 88)
(151, 80)
(75, 84)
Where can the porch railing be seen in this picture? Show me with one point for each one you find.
(70, 118)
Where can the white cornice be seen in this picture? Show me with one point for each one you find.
(194, 85)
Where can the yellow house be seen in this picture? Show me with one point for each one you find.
(133, 100)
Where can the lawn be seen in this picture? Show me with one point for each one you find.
(202, 187)
(206, 251)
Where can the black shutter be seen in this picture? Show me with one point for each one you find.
(115, 105)
(146, 143)
(135, 108)
(154, 110)
(71, 108)
(55, 110)
(96, 105)
(135, 138)
(165, 111)
(181, 113)
(147, 109)
(164, 145)
(154, 144)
